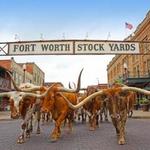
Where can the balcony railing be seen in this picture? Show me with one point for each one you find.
(138, 74)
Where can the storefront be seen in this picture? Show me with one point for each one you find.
(5, 86)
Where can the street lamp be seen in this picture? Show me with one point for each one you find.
(97, 80)
(24, 70)
(125, 70)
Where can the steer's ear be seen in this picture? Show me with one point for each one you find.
(124, 93)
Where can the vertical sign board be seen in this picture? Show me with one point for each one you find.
(77, 47)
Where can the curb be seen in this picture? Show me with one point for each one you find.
(6, 119)
(140, 117)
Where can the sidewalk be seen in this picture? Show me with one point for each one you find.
(137, 114)
(5, 115)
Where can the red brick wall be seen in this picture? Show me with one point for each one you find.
(6, 64)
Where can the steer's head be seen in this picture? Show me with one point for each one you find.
(19, 104)
(15, 99)
(115, 99)
(19, 99)
(49, 100)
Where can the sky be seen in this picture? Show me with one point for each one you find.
(69, 19)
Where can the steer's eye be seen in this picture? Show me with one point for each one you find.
(103, 96)
(20, 95)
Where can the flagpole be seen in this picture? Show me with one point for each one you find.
(125, 32)
(108, 36)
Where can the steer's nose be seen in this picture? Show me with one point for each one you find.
(15, 116)
(45, 110)
(115, 116)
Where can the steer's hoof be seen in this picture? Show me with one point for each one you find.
(54, 139)
(121, 142)
(20, 140)
(28, 136)
(38, 132)
(91, 128)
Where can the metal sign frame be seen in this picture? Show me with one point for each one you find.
(144, 47)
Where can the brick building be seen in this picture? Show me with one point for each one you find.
(134, 70)
(5, 85)
(31, 73)
(28, 72)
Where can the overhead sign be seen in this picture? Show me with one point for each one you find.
(88, 47)
(72, 47)
(38, 48)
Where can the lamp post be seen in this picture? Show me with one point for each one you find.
(24, 71)
(97, 80)
(125, 71)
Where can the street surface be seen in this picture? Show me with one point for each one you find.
(104, 138)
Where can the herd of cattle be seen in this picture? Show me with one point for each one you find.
(63, 105)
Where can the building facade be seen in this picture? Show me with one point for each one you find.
(38, 75)
(24, 72)
(134, 69)
(5, 86)
(27, 72)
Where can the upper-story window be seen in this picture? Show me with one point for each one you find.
(146, 46)
(2, 73)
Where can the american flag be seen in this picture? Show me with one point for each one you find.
(128, 25)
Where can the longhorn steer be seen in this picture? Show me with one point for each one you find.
(116, 98)
(24, 104)
(130, 98)
(57, 115)
(57, 106)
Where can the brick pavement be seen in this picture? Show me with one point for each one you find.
(137, 114)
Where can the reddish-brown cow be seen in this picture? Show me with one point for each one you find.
(57, 106)
(116, 98)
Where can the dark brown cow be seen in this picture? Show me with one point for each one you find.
(116, 98)
(92, 108)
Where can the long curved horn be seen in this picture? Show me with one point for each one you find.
(62, 89)
(5, 94)
(38, 95)
(73, 85)
(27, 87)
(80, 104)
(135, 89)
(13, 81)
(69, 86)
(24, 87)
